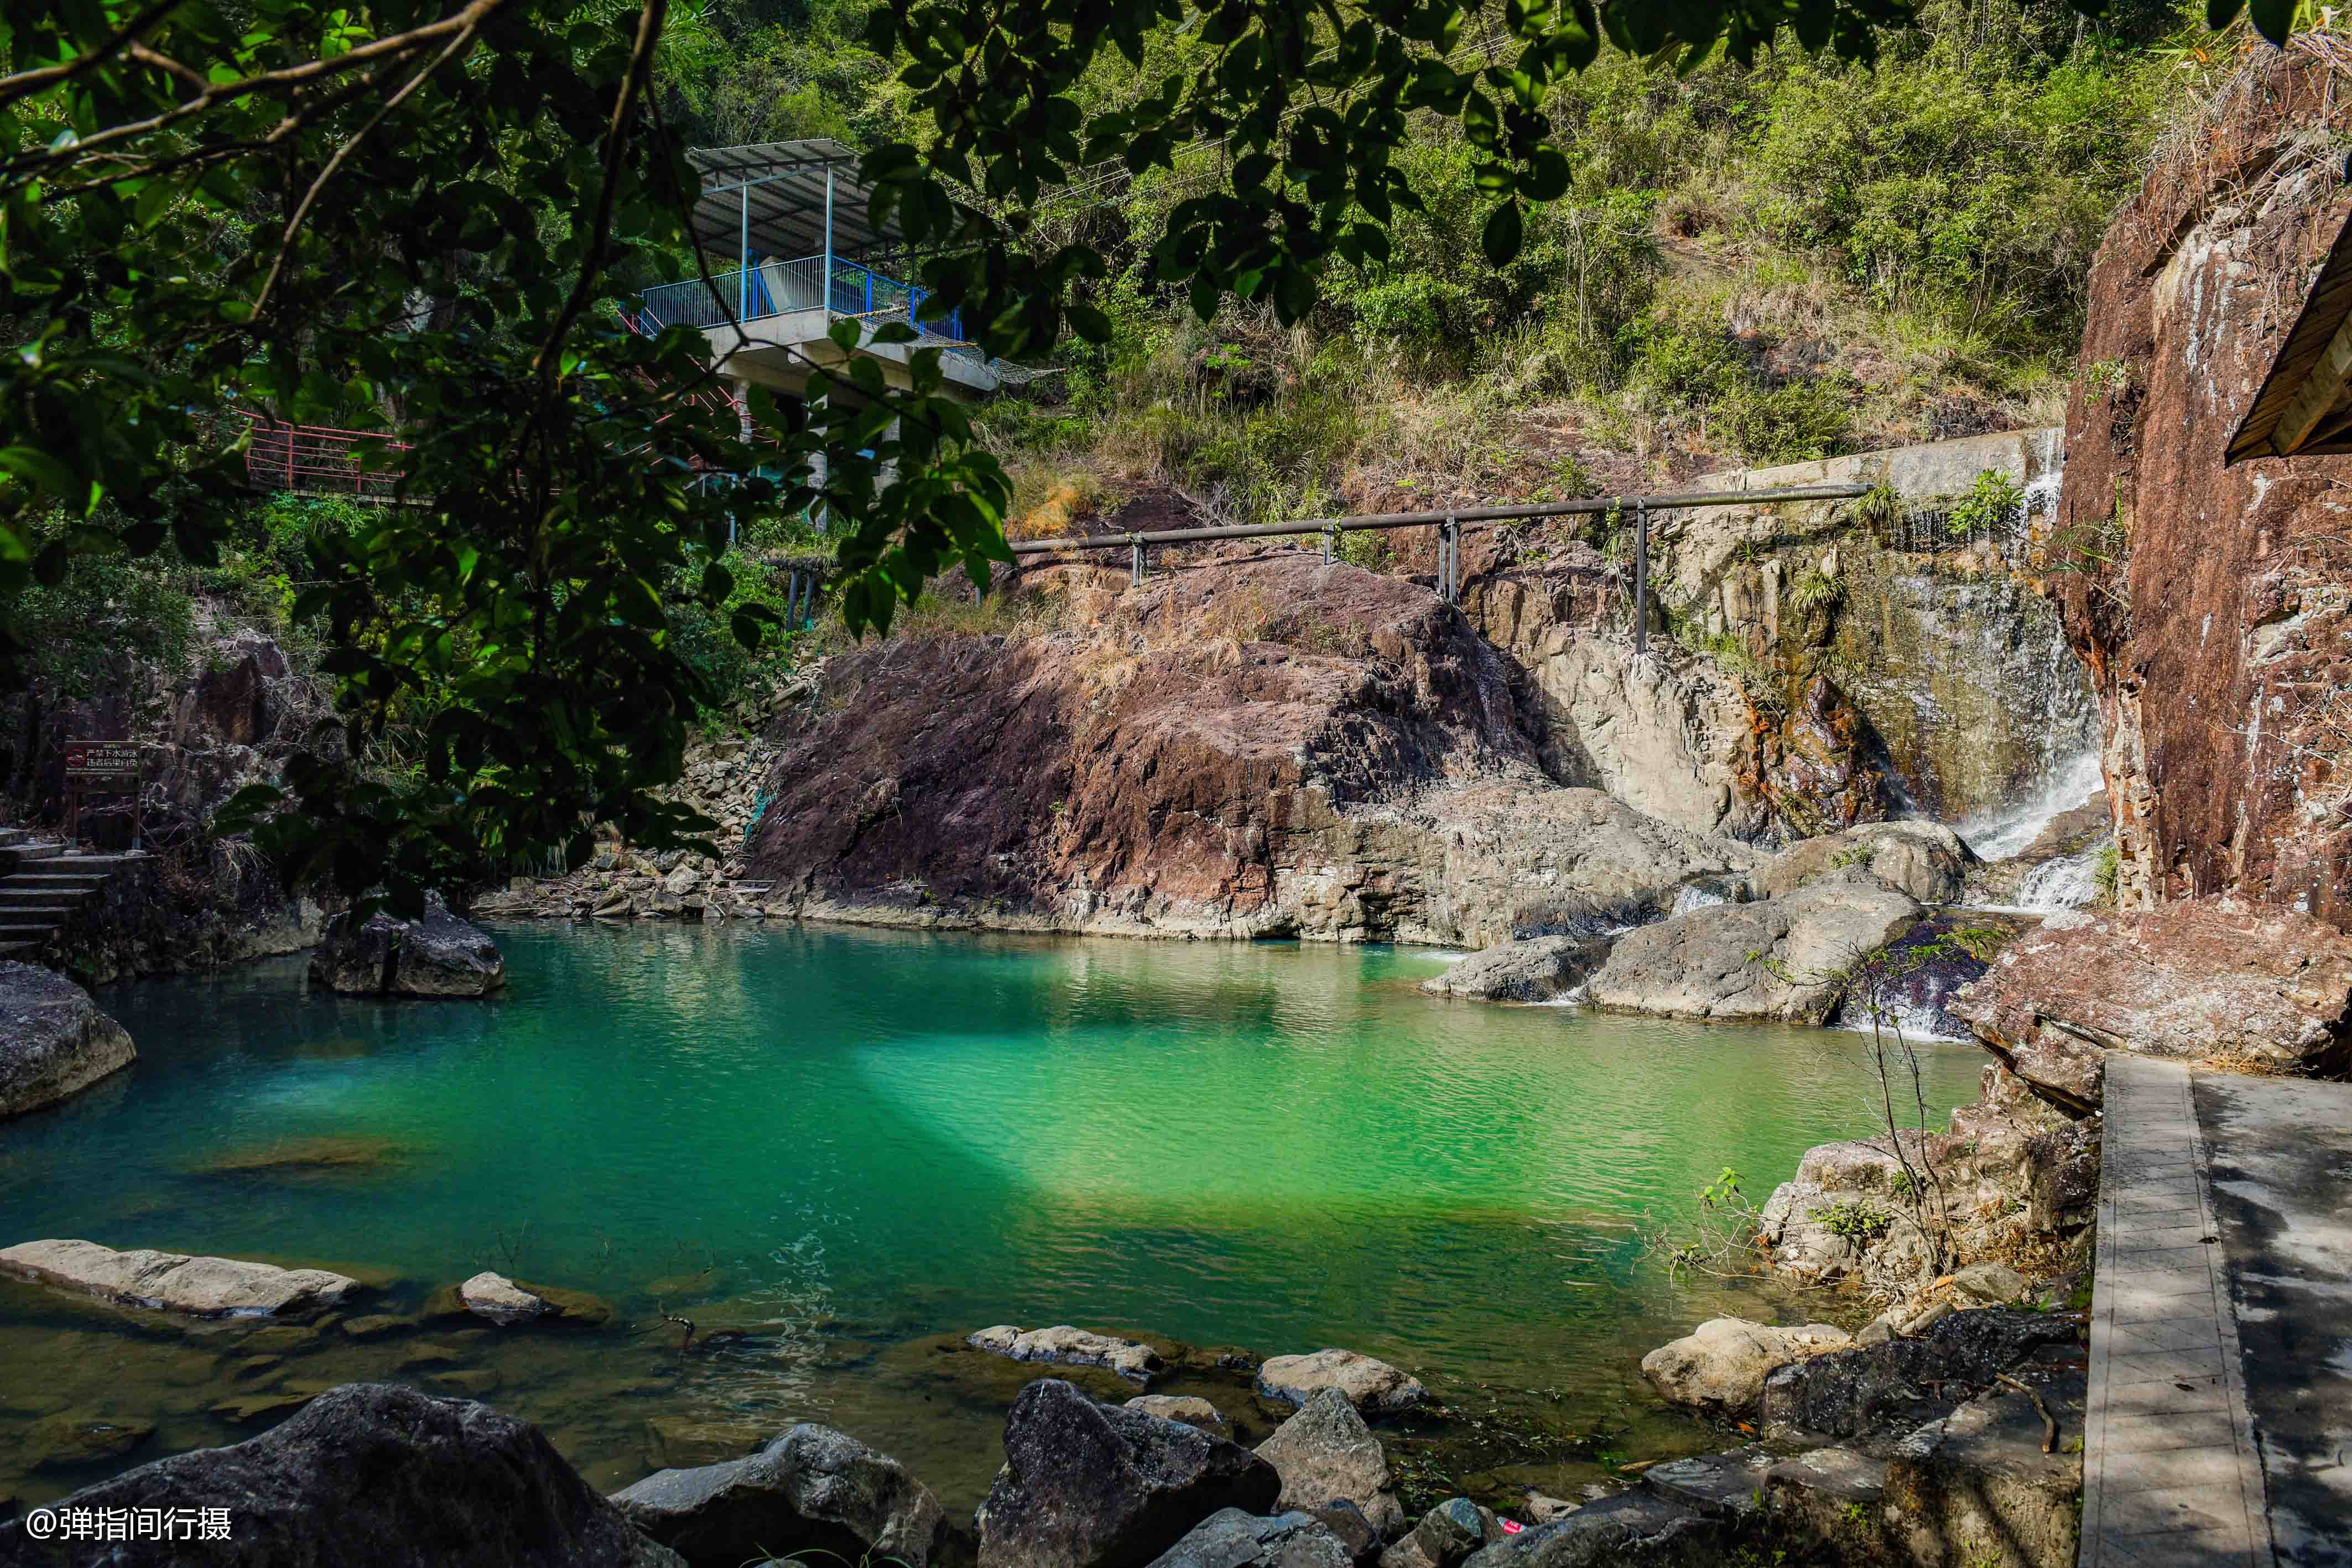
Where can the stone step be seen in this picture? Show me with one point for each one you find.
(46, 916)
(21, 951)
(16, 894)
(11, 837)
(103, 865)
(62, 869)
(25, 852)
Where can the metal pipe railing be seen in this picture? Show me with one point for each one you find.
(1467, 517)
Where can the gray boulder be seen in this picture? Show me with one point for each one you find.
(369, 1476)
(1370, 1383)
(53, 1039)
(436, 954)
(1631, 1530)
(1326, 1455)
(1069, 1347)
(1925, 859)
(812, 1491)
(1539, 970)
(1096, 1486)
(1445, 1535)
(1231, 1538)
(1776, 958)
(1720, 1366)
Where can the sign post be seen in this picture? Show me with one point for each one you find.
(105, 768)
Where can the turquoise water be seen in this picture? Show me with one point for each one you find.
(846, 1144)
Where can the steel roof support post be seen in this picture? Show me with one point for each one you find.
(827, 295)
(743, 262)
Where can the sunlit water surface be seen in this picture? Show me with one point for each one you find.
(839, 1151)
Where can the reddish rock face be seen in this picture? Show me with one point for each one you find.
(2209, 978)
(2222, 648)
(1272, 746)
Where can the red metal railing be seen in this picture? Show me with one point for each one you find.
(319, 460)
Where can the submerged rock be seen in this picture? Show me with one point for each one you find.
(1368, 1384)
(1721, 1364)
(454, 1484)
(1539, 970)
(1326, 1455)
(813, 1491)
(175, 1281)
(436, 954)
(508, 1302)
(1068, 1346)
(1231, 1538)
(76, 1438)
(54, 1042)
(1096, 1486)
(1776, 958)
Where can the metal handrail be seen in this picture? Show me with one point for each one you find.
(777, 288)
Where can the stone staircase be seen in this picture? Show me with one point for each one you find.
(41, 888)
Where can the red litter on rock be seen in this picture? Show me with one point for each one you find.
(1512, 1527)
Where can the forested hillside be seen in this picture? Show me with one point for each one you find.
(1756, 265)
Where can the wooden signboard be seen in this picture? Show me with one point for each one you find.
(102, 767)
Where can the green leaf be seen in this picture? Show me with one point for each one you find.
(1504, 233)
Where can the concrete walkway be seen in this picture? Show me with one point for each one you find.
(2281, 1185)
(2170, 1475)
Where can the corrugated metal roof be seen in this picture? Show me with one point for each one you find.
(2325, 314)
(783, 184)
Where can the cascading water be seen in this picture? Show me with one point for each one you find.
(2062, 882)
(2074, 779)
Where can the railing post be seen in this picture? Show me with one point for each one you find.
(1641, 580)
(1329, 535)
(1135, 561)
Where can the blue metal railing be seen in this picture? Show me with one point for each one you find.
(775, 288)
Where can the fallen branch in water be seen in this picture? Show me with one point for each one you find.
(687, 1323)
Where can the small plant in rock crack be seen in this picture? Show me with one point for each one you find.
(1855, 1220)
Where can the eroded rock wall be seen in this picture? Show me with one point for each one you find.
(2212, 604)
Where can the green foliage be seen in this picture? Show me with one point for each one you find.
(2106, 868)
(1994, 505)
(87, 632)
(1855, 1220)
(1815, 591)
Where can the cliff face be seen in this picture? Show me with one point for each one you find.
(2211, 603)
(1274, 746)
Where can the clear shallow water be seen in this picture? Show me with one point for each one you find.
(844, 1145)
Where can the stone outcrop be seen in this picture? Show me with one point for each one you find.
(176, 1282)
(435, 955)
(813, 1491)
(2208, 601)
(1445, 1535)
(1068, 1346)
(1371, 1385)
(1326, 1455)
(2014, 1179)
(1720, 1366)
(1850, 1394)
(54, 1042)
(2210, 978)
(1540, 969)
(1272, 747)
(1776, 958)
(1631, 1530)
(1231, 1538)
(456, 1484)
(1096, 1486)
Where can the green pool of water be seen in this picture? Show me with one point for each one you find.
(838, 1151)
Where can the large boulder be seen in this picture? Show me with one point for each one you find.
(1776, 958)
(176, 1282)
(1370, 1385)
(367, 1476)
(1231, 1538)
(436, 954)
(1326, 1455)
(1720, 1366)
(1068, 1346)
(1852, 1393)
(1631, 1530)
(1925, 859)
(1445, 1535)
(1539, 970)
(1096, 1486)
(2202, 979)
(53, 1039)
(813, 1491)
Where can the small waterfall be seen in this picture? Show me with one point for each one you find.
(1996, 835)
(1695, 896)
(2062, 882)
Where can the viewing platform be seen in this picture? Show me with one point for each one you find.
(790, 219)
